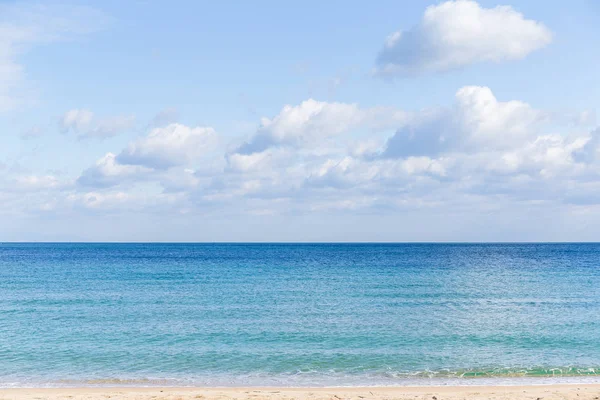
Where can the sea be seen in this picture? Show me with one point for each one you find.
(106, 314)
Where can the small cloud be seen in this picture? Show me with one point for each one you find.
(83, 123)
(76, 120)
(459, 33)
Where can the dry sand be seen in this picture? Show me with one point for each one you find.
(540, 392)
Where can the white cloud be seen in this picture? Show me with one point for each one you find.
(481, 153)
(153, 158)
(373, 175)
(477, 121)
(77, 120)
(312, 121)
(95, 200)
(249, 162)
(423, 165)
(591, 150)
(37, 182)
(83, 123)
(108, 172)
(546, 155)
(169, 146)
(343, 172)
(479, 146)
(303, 124)
(489, 122)
(457, 33)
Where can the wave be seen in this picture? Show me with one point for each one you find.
(502, 372)
(307, 378)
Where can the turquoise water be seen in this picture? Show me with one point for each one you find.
(295, 315)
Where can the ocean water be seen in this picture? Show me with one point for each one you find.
(298, 314)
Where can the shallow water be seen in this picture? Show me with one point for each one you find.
(298, 314)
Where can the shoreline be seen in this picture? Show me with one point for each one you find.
(471, 382)
(562, 391)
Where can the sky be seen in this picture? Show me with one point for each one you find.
(383, 121)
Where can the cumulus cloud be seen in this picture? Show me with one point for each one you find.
(172, 145)
(254, 161)
(108, 172)
(313, 121)
(477, 121)
(373, 175)
(590, 150)
(480, 151)
(296, 125)
(457, 33)
(83, 123)
(546, 155)
(343, 172)
(479, 146)
(152, 156)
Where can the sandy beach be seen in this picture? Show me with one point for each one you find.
(539, 392)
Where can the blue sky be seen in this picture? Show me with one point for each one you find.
(311, 121)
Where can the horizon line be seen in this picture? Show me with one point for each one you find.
(295, 242)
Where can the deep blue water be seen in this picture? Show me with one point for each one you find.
(297, 314)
